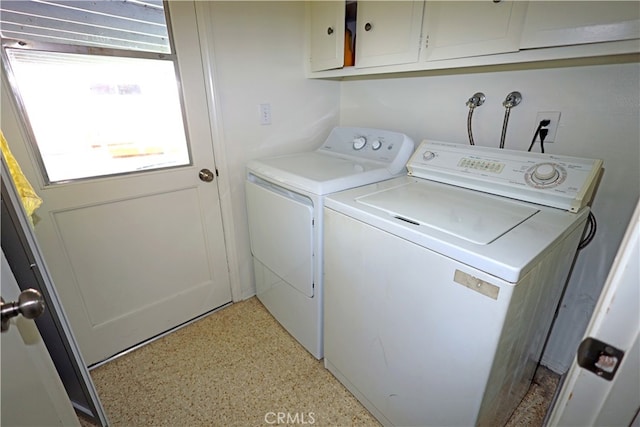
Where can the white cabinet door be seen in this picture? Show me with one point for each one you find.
(460, 29)
(388, 32)
(327, 34)
(562, 23)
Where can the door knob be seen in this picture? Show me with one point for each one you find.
(205, 175)
(30, 304)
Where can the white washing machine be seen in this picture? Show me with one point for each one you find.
(285, 198)
(441, 286)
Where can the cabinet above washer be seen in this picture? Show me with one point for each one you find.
(561, 23)
(388, 32)
(435, 35)
(326, 34)
(380, 32)
(459, 29)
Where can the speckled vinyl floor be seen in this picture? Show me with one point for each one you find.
(239, 367)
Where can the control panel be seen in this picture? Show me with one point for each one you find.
(376, 145)
(551, 180)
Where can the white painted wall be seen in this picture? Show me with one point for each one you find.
(600, 114)
(258, 57)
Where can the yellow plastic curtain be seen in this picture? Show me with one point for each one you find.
(30, 200)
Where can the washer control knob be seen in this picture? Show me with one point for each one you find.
(428, 155)
(359, 143)
(376, 144)
(545, 172)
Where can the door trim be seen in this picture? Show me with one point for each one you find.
(205, 33)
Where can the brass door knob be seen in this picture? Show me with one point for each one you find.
(205, 175)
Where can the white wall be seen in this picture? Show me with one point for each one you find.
(600, 114)
(258, 57)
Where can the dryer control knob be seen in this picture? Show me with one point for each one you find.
(428, 155)
(376, 144)
(359, 143)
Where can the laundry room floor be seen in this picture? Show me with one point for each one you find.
(239, 367)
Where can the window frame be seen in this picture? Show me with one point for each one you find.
(23, 115)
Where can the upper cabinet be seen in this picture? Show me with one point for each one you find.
(400, 36)
(562, 23)
(379, 32)
(387, 32)
(327, 30)
(459, 29)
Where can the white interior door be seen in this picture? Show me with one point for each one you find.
(609, 395)
(135, 255)
(32, 392)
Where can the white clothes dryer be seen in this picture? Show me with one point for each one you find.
(441, 286)
(285, 199)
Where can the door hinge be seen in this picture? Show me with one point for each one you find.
(600, 358)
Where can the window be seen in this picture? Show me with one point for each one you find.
(98, 86)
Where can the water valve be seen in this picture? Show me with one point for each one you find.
(512, 100)
(476, 100)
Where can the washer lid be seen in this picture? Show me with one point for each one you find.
(467, 215)
(319, 173)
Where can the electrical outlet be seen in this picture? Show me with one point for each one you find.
(265, 114)
(554, 119)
